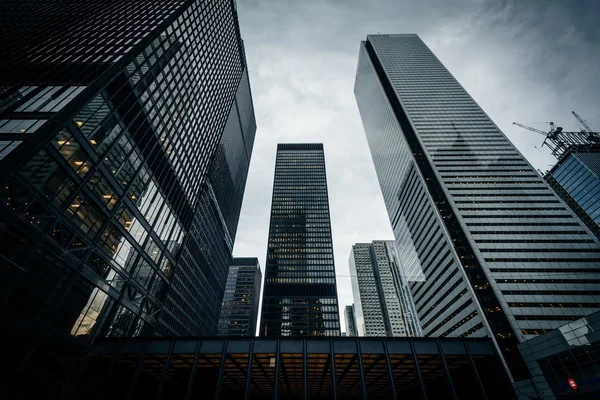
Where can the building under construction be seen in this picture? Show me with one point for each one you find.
(576, 175)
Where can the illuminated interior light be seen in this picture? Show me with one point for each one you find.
(79, 123)
(92, 141)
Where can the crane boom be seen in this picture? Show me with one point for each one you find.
(583, 123)
(531, 129)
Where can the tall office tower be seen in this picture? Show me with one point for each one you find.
(300, 292)
(488, 248)
(350, 321)
(381, 298)
(126, 131)
(576, 179)
(239, 313)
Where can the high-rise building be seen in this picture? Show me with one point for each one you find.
(382, 302)
(350, 321)
(488, 248)
(239, 313)
(300, 292)
(576, 179)
(126, 131)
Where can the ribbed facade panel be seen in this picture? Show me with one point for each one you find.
(423, 248)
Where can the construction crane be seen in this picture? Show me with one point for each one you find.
(592, 136)
(560, 141)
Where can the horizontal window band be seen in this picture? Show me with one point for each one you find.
(534, 240)
(587, 260)
(552, 292)
(548, 270)
(547, 317)
(555, 305)
(548, 250)
(544, 280)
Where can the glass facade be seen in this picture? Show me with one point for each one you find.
(569, 352)
(295, 368)
(239, 313)
(576, 179)
(384, 306)
(350, 321)
(488, 248)
(126, 132)
(300, 292)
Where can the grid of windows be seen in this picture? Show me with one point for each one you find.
(300, 294)
(239, 313)
(119, 206)
(500, 221)
(350, 318)
(576, 178)
(384, 306)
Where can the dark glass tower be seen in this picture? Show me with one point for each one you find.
(126, 131)
(300, 293)
(488, 248)
(239, 314)
(350, 321)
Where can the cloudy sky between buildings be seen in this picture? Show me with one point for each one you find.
(529, 61)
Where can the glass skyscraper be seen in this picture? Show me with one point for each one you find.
(300, 292)
(239, 313)
(576, 178)
(382, 302)
(126, 129)
(488, 248)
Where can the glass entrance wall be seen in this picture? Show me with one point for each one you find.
(299, 368)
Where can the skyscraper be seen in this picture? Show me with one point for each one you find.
(239, 313)
(300, 292)
(350, 321)
(126, 132)
(489, 249)
(382, 302)
(576, 179)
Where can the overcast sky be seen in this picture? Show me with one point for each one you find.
(527, 61)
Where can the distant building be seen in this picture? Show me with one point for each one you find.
(239, 313)
(576, 179)
(382, 303)
(350, 321)
(300, 292)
